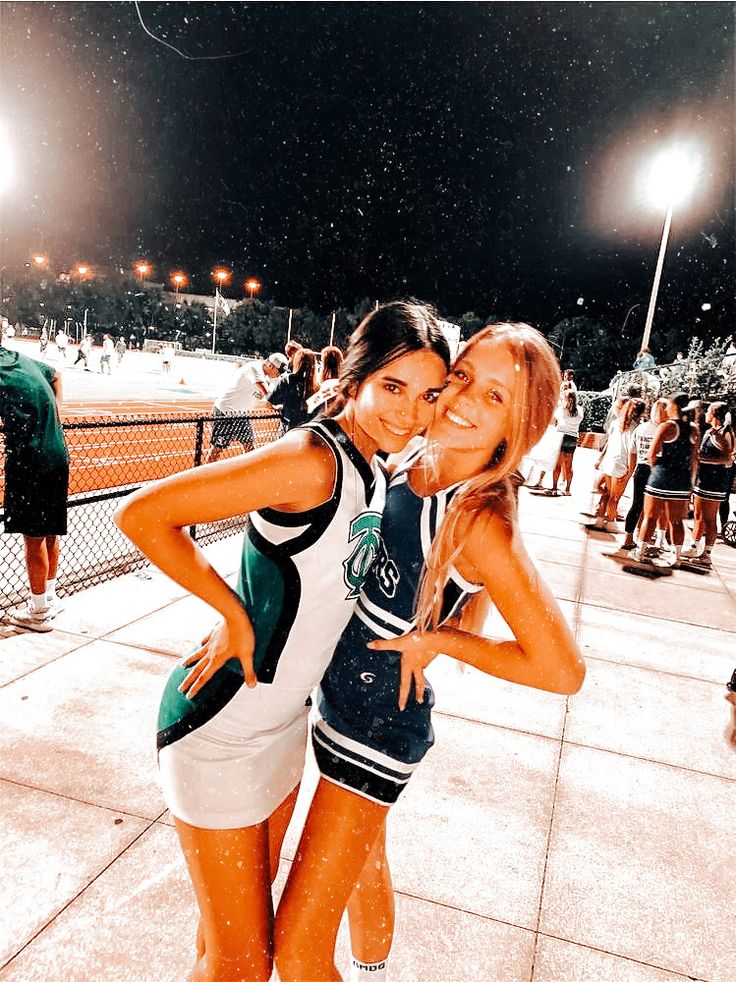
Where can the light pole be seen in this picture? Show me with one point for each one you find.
(143, 269)
(179, 280)
(672, 177)
(252, 285)
(220, 276)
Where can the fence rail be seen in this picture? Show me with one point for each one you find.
(110, 458)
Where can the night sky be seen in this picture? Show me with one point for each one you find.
(477, 155)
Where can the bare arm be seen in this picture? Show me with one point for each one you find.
(664, 429)
(293, 475)
(544, 654)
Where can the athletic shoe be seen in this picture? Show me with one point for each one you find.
(626, 546)
(23, 615)
(54, 608)
(705, 561)
(692, 552)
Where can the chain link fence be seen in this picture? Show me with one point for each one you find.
(109, 458)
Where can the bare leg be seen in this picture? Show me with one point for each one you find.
(230, 872)
(52, 551)
(37, 562)
(338, 835)
(214, 454)
(616, 489)
(371, 906)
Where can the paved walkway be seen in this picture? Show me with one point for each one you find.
(587, 839)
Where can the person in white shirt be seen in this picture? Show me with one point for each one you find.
(108, 350)
(568, 418)
(247, 388)
(639, 459)
(85, 347)
(62, 342)
(614, 463)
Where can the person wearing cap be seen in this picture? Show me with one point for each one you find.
(246, 391)
(292, 392)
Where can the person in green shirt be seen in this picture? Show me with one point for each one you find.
(36, 478)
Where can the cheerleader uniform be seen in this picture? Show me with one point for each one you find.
(670, 477)
(231, 755)
(362, 740)
(713, 482)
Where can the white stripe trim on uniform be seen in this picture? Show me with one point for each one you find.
(362, 764)
(425, 530)
(352, 790)
(463, 583)
(376, 611)
(360, 748)
(378, 630)
(390, 778)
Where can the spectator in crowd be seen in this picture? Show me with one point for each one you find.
(731, 698)
(331, 359)
(724, 508)
(292, 391)
(644, 361)
(62, 343)
(614, 461)
(667, 494)
(43, 341)
(85, 347)
(120, 348)
(712, 484)
(568, 380)
(290, 348)
(36, 478)
(639, 463)
(245, 392)
(108, 350)
(568, 418)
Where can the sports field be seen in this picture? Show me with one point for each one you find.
(127, 446)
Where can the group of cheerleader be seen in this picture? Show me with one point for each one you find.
(684, 451)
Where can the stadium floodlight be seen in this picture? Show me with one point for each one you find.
(672, 176)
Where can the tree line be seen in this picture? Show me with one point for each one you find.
(138, 311)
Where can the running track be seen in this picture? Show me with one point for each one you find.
(113, 456)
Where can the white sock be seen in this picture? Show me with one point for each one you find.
(38, 601)
(368, 971)
(659, 539)
(51, 590)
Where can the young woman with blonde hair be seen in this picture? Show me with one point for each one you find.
(450, 507)
(667, 493)
(614, 462)
(232, 731)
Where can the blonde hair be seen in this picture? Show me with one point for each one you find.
(658, 412)
(533, 403)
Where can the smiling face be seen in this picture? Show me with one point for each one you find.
(396, 403)
(474, 411)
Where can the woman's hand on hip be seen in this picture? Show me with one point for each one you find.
(231, 638)
(417, 650)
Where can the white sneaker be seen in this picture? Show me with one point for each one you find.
(54, 608)
(23, 615)
(692, 551)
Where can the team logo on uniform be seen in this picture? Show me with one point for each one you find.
(366, 528)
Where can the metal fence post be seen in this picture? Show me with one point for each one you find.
(198, 444)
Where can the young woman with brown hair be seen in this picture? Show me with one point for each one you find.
(232, 723)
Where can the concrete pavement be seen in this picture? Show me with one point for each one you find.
(544, 839)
